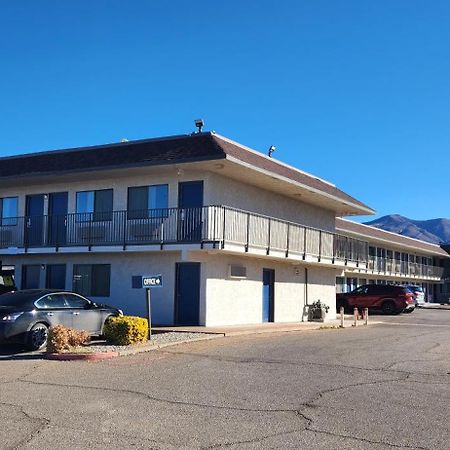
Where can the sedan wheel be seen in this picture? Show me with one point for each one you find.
(37, 336)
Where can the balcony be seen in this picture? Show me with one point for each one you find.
(217, 227)
(407, 269)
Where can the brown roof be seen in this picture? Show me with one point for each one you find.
(271, 165)
(394, 238)
(160, 151)
(148, 152)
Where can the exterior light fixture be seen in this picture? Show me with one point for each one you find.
(199, 124)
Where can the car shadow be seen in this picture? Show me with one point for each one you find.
(18, 352)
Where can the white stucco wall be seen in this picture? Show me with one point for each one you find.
(220, 190)
(234, 301)
(123, 267)
(119, 183)
(223, 301)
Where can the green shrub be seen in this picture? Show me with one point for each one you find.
(61, 338)
(126, 330)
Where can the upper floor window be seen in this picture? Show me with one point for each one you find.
(8, 210)
(148, 201)
(95, 205)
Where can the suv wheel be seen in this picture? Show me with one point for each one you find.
(37, 336)
(389, 307)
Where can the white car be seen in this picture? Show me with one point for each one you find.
(419, 294)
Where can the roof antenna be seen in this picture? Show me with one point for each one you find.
(199, 124)
(272, 148)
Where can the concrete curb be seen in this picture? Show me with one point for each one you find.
(443, 307)
(135, 351)
(98, 356)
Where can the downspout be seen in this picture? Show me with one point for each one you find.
(305, 304)
(306, 286)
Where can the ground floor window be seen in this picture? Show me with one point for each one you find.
(340, 285)
(92, 279)
(352, 283)
(31, 276)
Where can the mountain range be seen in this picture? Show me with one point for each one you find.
(436, 231)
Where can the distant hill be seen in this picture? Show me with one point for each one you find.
(436, 231)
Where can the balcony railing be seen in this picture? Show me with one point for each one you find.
(219, 226)
(216, 225)
(397, 267)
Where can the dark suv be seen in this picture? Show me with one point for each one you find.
(390, 299)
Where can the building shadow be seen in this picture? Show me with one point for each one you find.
(17, 352)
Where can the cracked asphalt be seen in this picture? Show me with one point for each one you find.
(378, 387)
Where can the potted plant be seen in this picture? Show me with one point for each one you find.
(318, 311)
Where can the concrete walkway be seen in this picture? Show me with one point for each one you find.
(240, 330)
(435, 306)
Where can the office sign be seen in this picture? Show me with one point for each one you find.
(146, 281)
(152, 281)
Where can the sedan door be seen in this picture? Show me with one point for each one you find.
(85, 315)
(54, 310)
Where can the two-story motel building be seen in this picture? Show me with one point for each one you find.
(396, 259)
(237, 236)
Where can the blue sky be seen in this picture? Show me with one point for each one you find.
(356, 92)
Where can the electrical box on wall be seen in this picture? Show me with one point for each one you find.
(237, 272)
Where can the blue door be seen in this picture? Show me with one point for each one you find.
(268, 295)
(57, 212)
(34, 224)
(190, 204)
(31, 276)
(187, 294)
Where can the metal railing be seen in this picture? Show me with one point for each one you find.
(392, 266)
(269, 234)
(218, 225)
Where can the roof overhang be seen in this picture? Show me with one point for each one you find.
(242, 171)
(207, 151)
(413, 245)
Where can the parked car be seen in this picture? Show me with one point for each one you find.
(390, 299)
(26, 316)
(419, 294)
(7, 283)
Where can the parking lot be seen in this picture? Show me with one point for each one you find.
(378, 387)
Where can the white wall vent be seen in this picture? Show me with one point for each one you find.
(236, 271)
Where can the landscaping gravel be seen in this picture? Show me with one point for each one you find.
(156, 341)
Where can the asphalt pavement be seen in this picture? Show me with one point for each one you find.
(377, 387)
